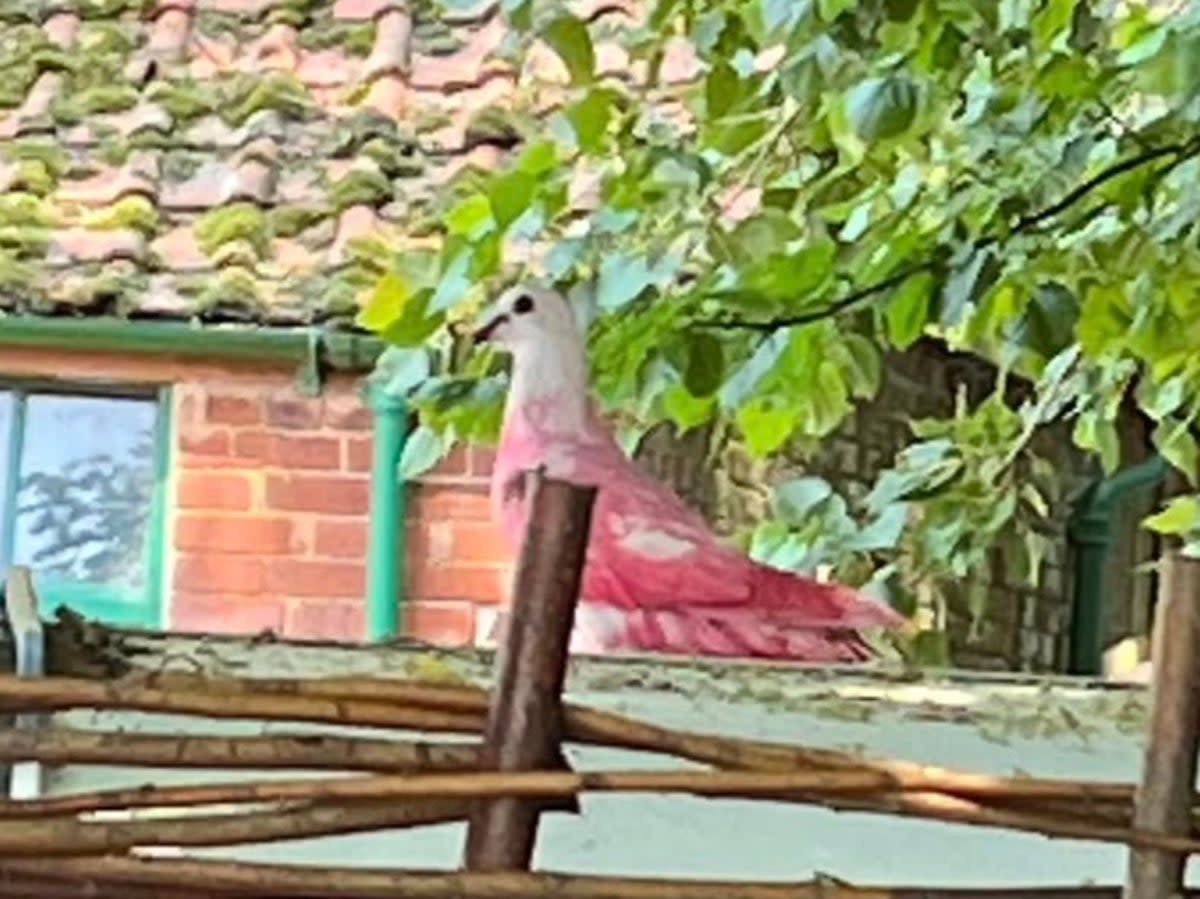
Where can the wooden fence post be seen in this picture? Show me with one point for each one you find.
(1164, 796)
(524, 724)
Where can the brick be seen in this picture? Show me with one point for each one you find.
(224, 463)
(430, 542)
(482, 460)
(459, 542)
(435, 502)
(219, 573)
(441, 623)
(214, 613)
(480, 584)
(203, 490)
(480, 542)
(251, 445)
(232, 410)
(323, 619)
(234, 535)
(294, 414)
(358, 454)
(287, 451)
(310, 578)
(210, 443)
(185, 409)
(347, 413)
(311, 493)
(341, 538)
(457, 463)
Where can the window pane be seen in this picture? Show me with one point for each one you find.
(86, 489)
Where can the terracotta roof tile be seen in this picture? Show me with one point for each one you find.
(248, 159)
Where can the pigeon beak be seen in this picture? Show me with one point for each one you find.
(484, 333)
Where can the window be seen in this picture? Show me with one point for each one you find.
(81, 498)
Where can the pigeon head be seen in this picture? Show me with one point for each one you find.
(537, 327)
(525, 317)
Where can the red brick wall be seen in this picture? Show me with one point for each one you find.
(270, 518)
(267, 519)
(459, 565)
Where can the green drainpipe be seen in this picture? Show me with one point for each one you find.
(1090, 529)
(385, 556)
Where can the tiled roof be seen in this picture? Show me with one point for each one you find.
(236, 159)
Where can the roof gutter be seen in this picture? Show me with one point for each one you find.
(312, 349)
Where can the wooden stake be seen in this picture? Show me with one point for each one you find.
(524, 724)
(1163, 801)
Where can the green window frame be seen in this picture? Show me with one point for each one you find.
(113, 604)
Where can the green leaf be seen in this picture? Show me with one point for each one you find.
(590, 118)
(1048, 325)
(907, 312)
(423, 449)
(884, 532)
(831, 9)
(509, 196)
(622, 279)
(569, 38)
(454, 283)
(828, 400)
(387, 304)
(1181, 515)
(722, 90)
(765, 425)
(865, 368)
(471, 218)
(742, 384)
(793, 500)
(1092, 432)
(760, 237)
(1178, 446)
(400, 369)
(1052, 23)
(538, 157)
(684, 409)
(705, 365)
(881, 108)
(966, 284)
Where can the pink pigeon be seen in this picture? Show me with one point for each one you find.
(656, 578)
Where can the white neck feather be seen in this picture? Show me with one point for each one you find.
(554, 373)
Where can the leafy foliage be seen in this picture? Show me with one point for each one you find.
(781, 190)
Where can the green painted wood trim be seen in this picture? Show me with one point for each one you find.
(156, 537)
(385, 553)
(12, 486)
(1090, 530)
(340, 350)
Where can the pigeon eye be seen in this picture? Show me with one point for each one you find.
(523, 304)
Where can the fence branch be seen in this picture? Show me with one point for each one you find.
(61, 746)
(114, 876)
(67, 835)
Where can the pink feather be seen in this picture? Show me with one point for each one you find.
(656, 578)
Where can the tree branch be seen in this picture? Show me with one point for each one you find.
(1180, 152)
